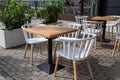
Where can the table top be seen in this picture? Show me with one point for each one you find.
(104, 18)
(49, 31)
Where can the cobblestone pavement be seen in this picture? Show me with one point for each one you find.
(14, 67)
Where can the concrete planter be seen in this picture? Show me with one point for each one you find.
(11, 38)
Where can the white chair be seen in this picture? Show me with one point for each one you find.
(112, 24)
(73, 34)
(80, 19)
(71, 52)
(117, 39)
(36, 24)
(31, 39)
(94, 27)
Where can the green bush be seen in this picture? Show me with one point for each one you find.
(50, 10)
(13, 15)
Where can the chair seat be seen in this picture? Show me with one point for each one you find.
(118, 37)
(36, 40)
(77, 57)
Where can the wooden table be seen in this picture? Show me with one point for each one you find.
(104, 19)
(50, 32)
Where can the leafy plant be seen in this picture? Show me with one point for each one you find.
(50, 10)
(29, 13)
(13, 15)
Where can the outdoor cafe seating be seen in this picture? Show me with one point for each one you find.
(89, 27)
(60, 40)
(81, 72)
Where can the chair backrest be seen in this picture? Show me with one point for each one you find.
(36, 24)
(83, 49)
(118, 30)
(118, 20)
(112, 23)
(26, 34)
(92, 26)
(30, 35)
(74, 26)
(80, 19)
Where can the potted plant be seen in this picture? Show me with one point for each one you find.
(50, 10)
(12, 15)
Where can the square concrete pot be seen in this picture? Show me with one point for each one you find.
(11, 38)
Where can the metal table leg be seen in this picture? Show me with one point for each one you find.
(103, 35)
(48, 66)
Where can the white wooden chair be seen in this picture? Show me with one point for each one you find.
(112, 24)
(117, 43)
(32, 39)
(94, 27)
(80, 19)
(73, 34)
(71, 52)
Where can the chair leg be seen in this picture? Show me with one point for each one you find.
(108, 30)
(113, 53)
(95, 44)
(62, 45)
(112, 32)
(56, 44)
(25, 50)
(89, 68)
(46, 45)
(40, 49)
(118, 45)
(31, 61)
(56, 65)
(75, 71)
(100, 38)
(70, 61)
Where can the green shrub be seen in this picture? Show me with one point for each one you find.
(13, 15)
(50, 10)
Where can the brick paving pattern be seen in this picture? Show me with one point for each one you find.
(14, 67)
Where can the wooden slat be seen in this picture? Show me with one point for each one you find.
(50, 31)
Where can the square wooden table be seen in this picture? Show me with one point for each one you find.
(50, 32)
(104, 19)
